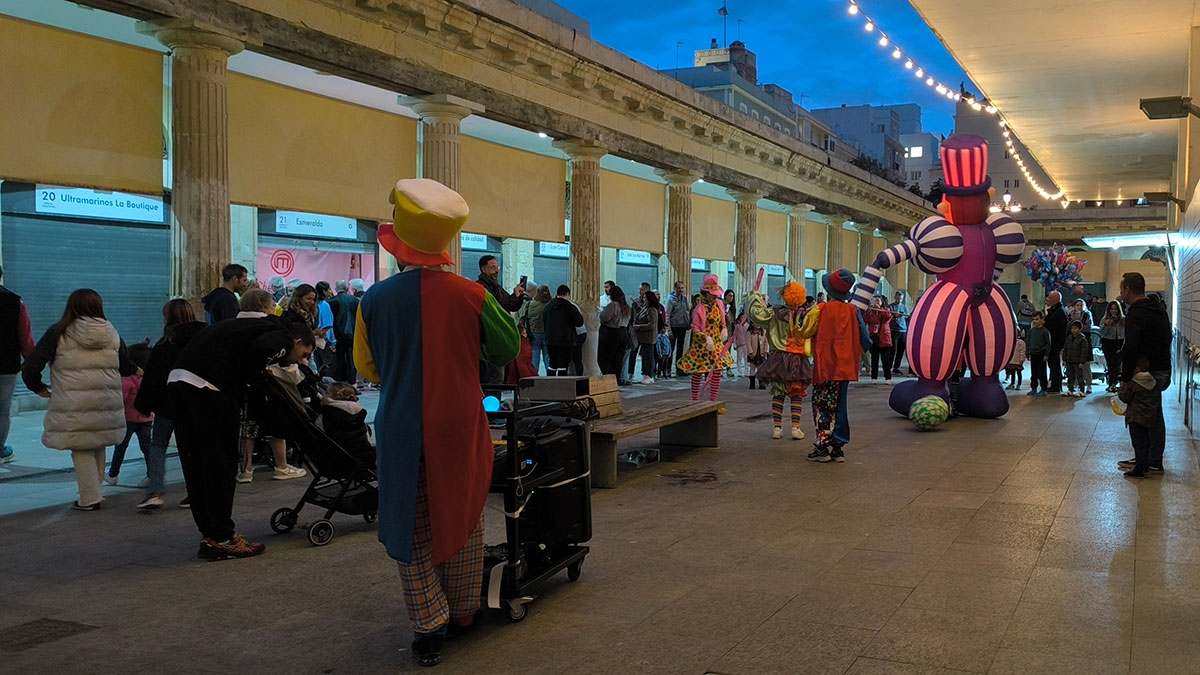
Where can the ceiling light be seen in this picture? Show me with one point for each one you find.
(1168, 107)
(542, 134)
(1123, 240)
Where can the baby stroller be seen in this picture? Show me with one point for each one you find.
(341, 483)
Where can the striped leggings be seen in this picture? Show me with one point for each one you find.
(714, 385)
(777, 410)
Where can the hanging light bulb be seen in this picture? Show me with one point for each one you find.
(958, 97)
(1006, 134)
(896, 54)
(991, 110)
(941, 88)
(994, 209)
(976, 107)
(1120, 202)
(920, 72)
(908, 64)
(929, 82)
(870, 26)
(853, 8)
(883, 41)
(1003, 123)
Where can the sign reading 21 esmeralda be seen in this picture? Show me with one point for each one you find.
(315, 225)
(85, 203)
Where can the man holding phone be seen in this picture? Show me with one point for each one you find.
(489, 278)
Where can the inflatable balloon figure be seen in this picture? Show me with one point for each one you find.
(1056, 268)
(964, 315)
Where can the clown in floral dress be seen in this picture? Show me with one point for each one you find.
(708, 353)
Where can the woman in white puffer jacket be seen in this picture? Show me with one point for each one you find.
(87, 413)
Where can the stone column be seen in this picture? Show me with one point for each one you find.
(200, 229)
(833, 246)
(679, 226)
(584, 265)
(866, 247)
(745, 246)
(1112, 274)
(797, 225)
(441, 143)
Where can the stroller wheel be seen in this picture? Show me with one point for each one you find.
(320, 533)
(370, 516)
(517, 610)
(283, 520)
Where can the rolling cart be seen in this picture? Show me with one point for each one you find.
(542, 468)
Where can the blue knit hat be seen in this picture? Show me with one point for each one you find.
(839, 284)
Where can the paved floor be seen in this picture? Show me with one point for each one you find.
(1008, 546)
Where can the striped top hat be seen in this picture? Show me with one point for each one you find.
(964, 166)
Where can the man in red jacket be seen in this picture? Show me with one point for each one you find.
(841, 339)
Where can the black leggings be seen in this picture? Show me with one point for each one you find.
(883, 354)
(1112, 359)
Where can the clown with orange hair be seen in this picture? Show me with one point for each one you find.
(787, 367)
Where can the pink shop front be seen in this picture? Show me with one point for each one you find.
(311, 247)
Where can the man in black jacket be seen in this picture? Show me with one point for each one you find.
(222, 302)
(1147, 334)
(345, 315)
(561, 318)
(489, 278)
(1056, 323)
(207, 388)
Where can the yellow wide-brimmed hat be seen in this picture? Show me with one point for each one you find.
(427, 216)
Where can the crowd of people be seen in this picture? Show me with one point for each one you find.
(193, 383)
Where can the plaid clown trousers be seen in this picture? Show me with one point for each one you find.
(436, 593)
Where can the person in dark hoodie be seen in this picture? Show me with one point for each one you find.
(1142, 415)
(207, 387)
(222, 302)
(561, 318)
(179, 327)
(16, 343)
(1148, 335)
(1056, 323)
(344, 420)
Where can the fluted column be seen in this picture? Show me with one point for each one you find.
(866, 246)
(1112, 275)
(745, 247)
(679, 225)
(833, 246)
(439, 134)
(200, 229)
(584, 264)
(797, 225)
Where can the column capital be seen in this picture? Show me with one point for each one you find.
(747, 197)
(581, 148)
(839, 220)
(864, 228)
(177, 33)
(678, 177)
(799, 211)
(437, 106)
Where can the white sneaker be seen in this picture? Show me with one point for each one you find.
(111, 480)
(246, 476)
(151, 502)
(647, 380)
(289, 472)
(144, 483)
(797, 435)
(777, 433)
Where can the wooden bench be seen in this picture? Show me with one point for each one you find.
(683, 424)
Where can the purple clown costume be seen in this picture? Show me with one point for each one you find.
(965, 315)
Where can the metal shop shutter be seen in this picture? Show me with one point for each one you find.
(44, 260)
(630, 278)
(549, 272)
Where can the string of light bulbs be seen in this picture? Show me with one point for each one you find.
(899, 55)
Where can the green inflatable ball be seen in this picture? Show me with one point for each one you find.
(928, 413)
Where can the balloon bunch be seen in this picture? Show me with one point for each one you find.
(1056, 268)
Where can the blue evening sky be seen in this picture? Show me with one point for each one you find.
(810, 47)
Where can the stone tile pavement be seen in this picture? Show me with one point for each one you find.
(1006, 546)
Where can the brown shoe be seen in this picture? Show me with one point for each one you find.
(237, 547)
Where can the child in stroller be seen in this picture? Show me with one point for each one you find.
(344, 420)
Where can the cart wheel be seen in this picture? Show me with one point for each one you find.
(517, 611)
(370, 517)
(283, 520)
(320, 533)
(574, 570)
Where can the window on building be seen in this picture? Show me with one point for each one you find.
(754, 113)
(1006, 154)
(778, 126)
(1016, 182)
(831, 145)
(914, 152)
(767, 120)
(744, 109)
(1006, 182)
(878, 128)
